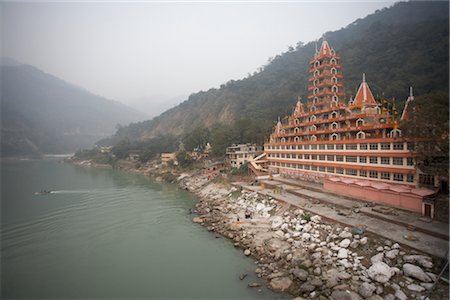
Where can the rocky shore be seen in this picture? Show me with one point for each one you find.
(308, 257)
(299, 253)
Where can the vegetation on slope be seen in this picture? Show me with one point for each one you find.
(405, 45)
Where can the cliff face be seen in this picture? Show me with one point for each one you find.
(405, 45)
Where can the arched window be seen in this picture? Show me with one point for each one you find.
(334, 89)
(296, 139)
(315, 100)
(316, 63)
(316, 90)
(333, 61)
(332, 52)
(316, 73)
(334, 125)
(296, 121)
(283, 140)
(359, 122)
(312, 118)
(378, 110)
(361, 135)
(296, 130)
(333, 71)
(313, 138)
(334, 98)
(283, 131)
(313, 128)
(316, 82)
(334, 137)
(313, 108)
(334, 115)
(395, 133)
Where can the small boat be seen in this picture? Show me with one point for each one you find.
(43, 192)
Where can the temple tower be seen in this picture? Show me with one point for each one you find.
(326, 87)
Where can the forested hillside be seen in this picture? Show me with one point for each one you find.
(405, 45)
(44, 114)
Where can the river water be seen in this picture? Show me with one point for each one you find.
(108, 234)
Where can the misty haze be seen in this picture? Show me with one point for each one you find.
(224, 150)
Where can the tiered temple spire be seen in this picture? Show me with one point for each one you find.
(364, 96)
(326, 82)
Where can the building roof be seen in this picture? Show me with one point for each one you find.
(325, 49)
(364, 95)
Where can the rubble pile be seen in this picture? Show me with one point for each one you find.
(302, 254)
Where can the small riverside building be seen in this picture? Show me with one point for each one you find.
(167, 157)
(237, 155)
(354, 148)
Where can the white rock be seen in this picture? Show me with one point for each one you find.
(366, 289)
(415, 288)
(276, 222)
(260, 207)
(316, 219)
(392, 254)
(307, 227)
(284, 227)
(380, 272)
(344, 243)
(306, 236)
(421, 260)
(363, 241)
(432, 276)
(415, 272)
(247, 252)
(379, 249)
(342, 253)
(345, 235)
(354, 244)
(377, 257)
(400, 295)
(396, 246)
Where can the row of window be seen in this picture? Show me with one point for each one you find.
(365, 146)
(352, 172)
(398, 161)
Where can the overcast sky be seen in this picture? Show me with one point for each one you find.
(132, 51)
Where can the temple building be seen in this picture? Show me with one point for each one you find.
(354, 148)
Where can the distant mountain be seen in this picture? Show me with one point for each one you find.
(44, 114)
(397, 47)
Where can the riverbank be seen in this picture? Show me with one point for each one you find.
(301, 254)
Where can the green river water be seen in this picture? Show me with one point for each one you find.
(108, 234)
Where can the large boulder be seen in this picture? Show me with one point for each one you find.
(421, 260)
(377, 257)
(380, 272)
(415, 272)
(366, 289)
(281, 284)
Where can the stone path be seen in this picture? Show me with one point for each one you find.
(426, 243)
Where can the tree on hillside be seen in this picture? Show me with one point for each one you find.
(198, 138)
(429, 121)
